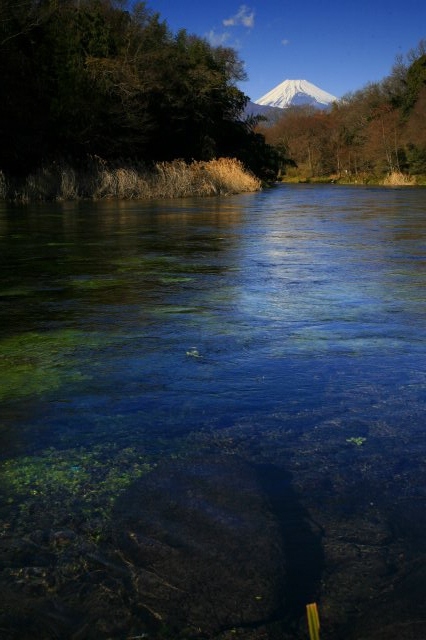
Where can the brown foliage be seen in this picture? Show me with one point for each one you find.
(368, 133)
(414, 129)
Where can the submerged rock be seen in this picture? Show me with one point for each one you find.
(204, 547)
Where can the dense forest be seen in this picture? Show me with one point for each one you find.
(107, 79)
(377, 131)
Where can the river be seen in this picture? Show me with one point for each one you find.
(212, 414)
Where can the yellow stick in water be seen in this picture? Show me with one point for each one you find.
(313, 621)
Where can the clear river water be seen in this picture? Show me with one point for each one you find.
(213, 414)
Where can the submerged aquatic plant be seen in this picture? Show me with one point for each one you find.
(40, 362)
(358, 441)
(77, 479)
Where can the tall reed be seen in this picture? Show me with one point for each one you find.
(398, 179)
(99, 179)
(3, 186)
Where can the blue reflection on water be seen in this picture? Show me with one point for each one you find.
(293, 298)
(284, 330)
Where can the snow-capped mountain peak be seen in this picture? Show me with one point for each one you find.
(296, 93)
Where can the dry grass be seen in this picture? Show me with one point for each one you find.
(226, 175)
(398, 179)
(216, 177)
(125, 180)
(3, 186)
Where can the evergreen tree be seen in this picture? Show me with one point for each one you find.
(93, 77)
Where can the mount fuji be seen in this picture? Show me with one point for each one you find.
(295, 93)
(290, 93)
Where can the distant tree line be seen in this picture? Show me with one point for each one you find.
(83, 78)
(375, 131)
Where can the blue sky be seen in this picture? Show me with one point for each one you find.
(338, 46)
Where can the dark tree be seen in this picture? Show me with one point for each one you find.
(94, 77)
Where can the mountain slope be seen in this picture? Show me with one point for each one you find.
(292, 93)
(272, 114)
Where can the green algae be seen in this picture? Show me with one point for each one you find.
(357, 441)
(163, 266)
(170, 309)
(147, 264)
(60, 244)
(34, 363)
(94, 284)
(174, 280)
(15, 292)
(72, 480)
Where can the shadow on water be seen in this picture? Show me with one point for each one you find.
(203, 546)
(301, 539)
(214, 547)
(206, 550)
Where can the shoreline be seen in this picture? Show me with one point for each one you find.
(395, 179)
(61, 181)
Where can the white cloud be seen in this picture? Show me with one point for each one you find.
(217, 39)
(244, 17)
(285, 42)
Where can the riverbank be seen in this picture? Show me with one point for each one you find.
(98, 179)
(394, 179)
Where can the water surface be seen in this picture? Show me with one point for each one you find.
(270, 345)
